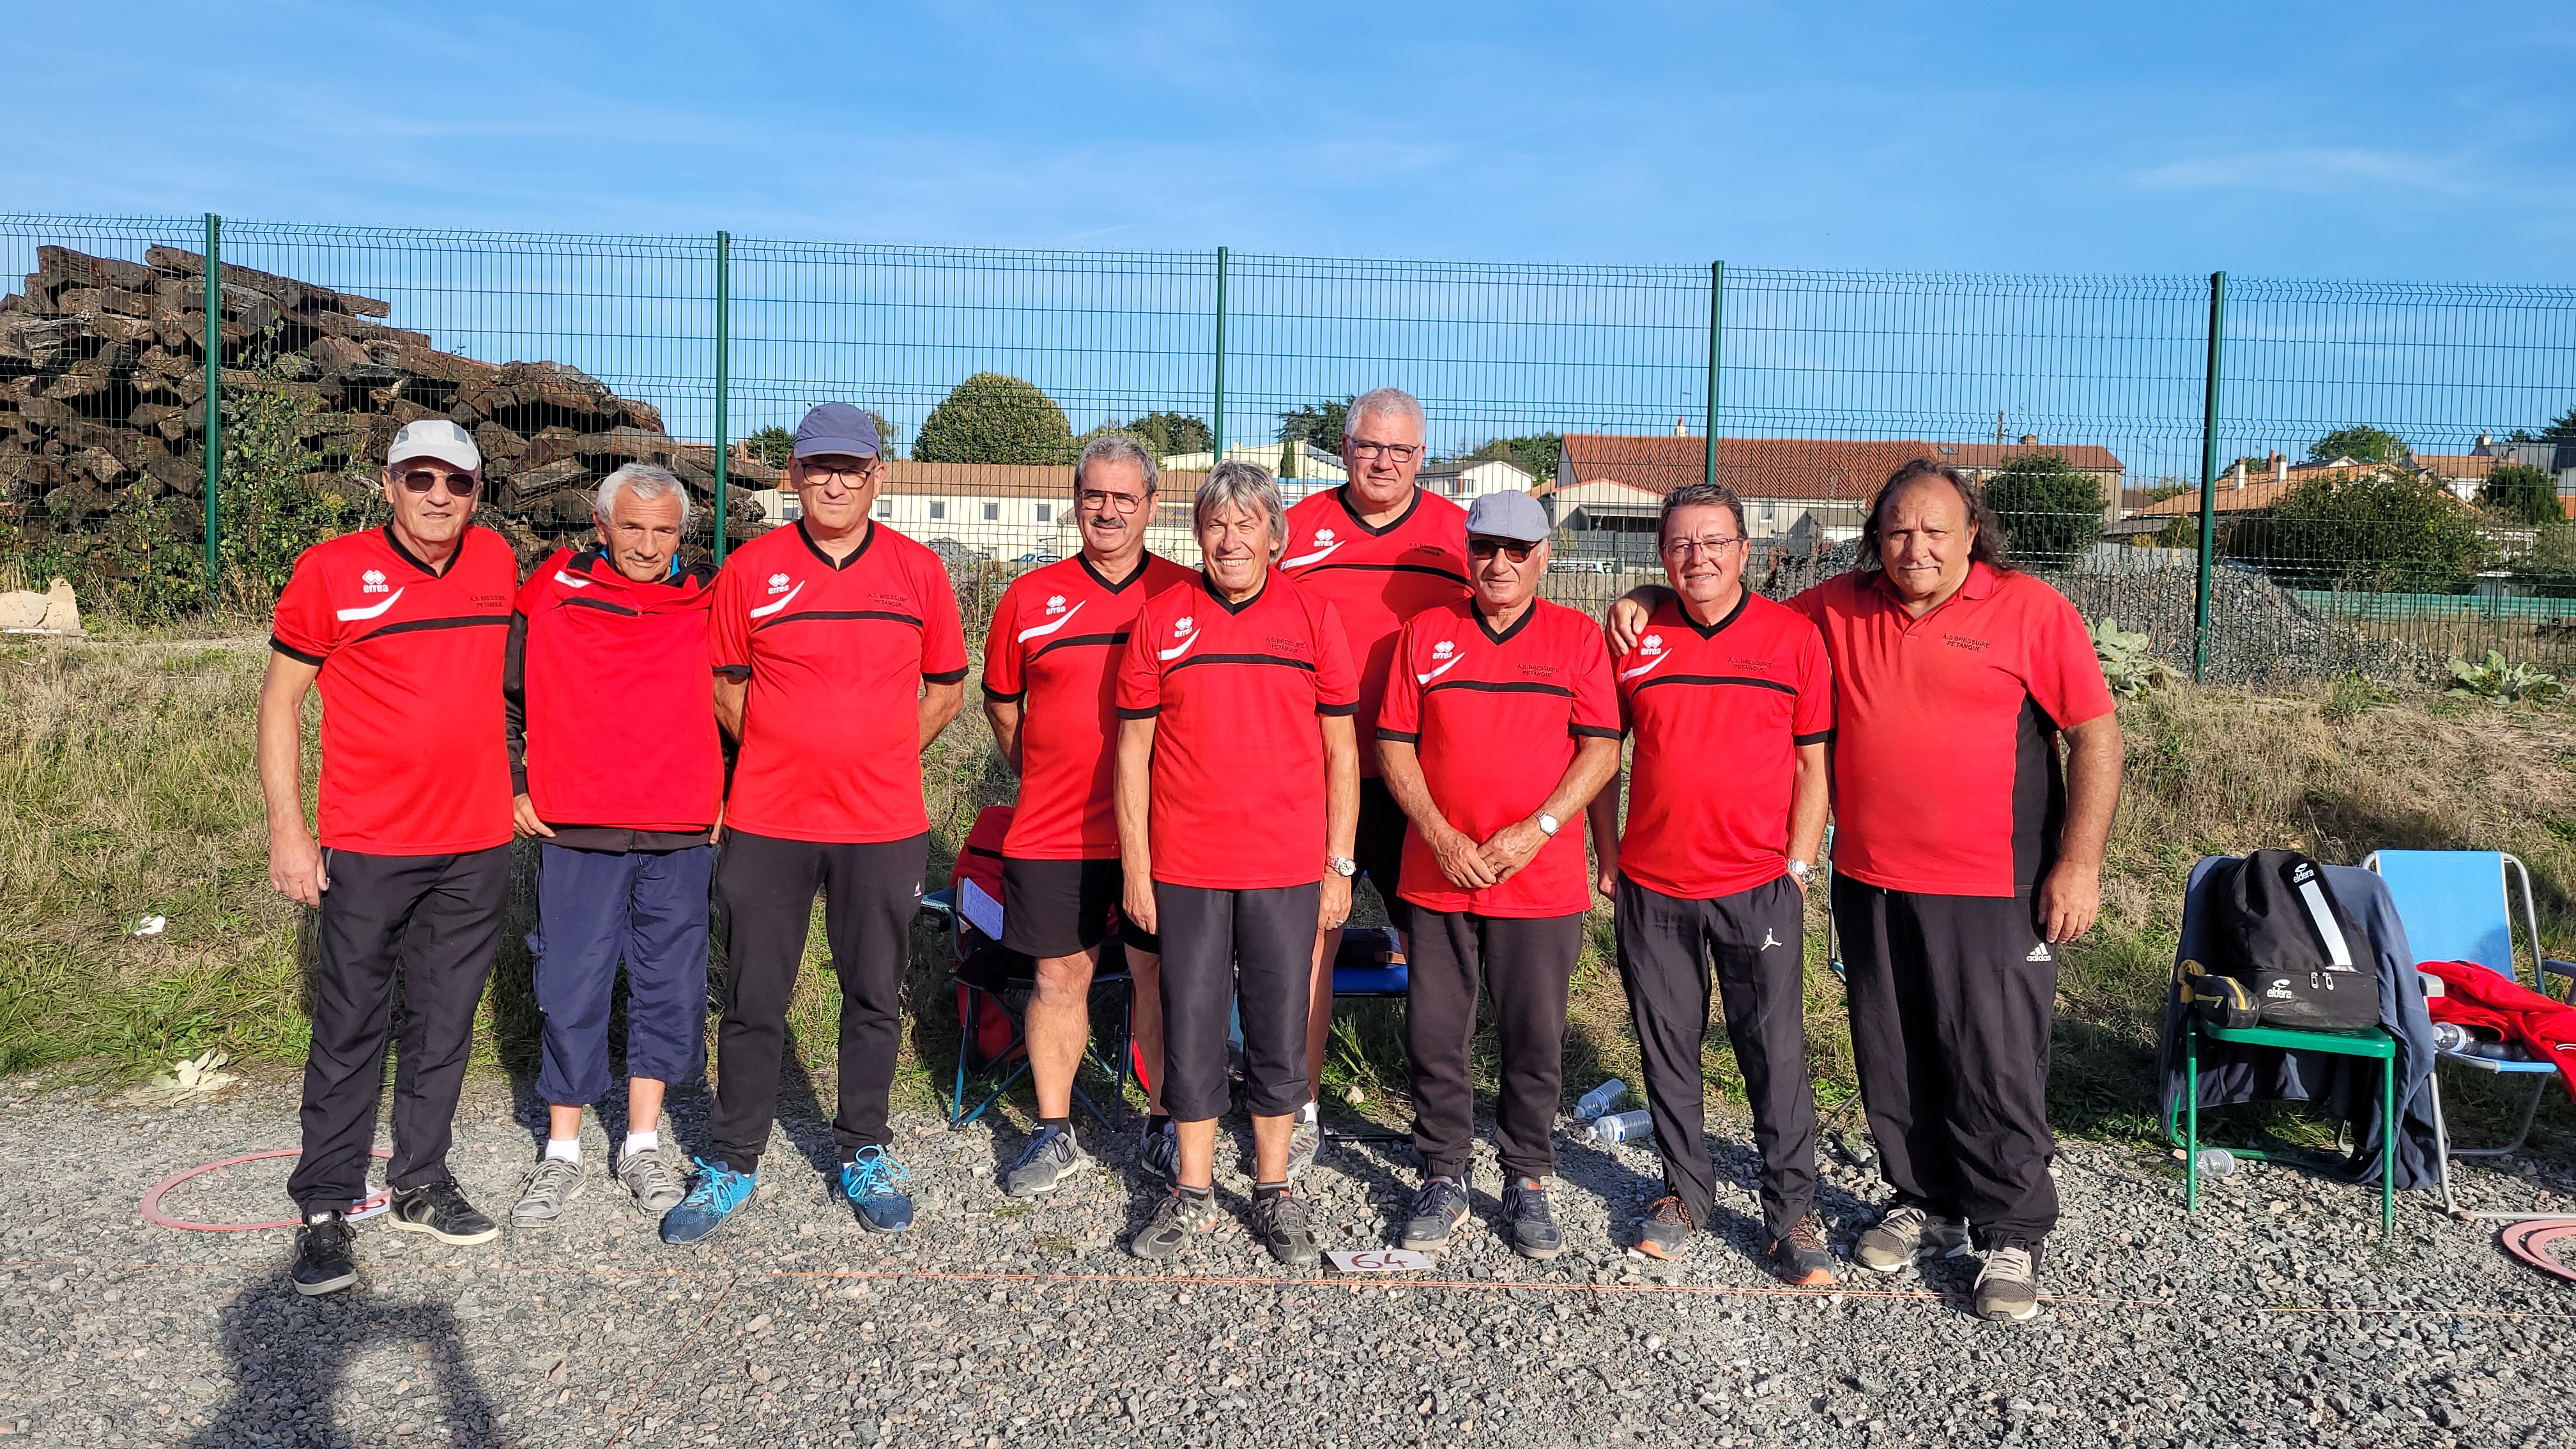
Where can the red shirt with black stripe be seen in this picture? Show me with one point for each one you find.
(413, 758)
(1719, 713)
(1235, 692)
(1057, 637)
(603, 658)
(836, 654)
(1946, 776)
(1376, 578)
(1493, 718)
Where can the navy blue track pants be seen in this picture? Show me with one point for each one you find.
(595, 908)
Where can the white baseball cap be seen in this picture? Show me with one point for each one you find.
(436, 438)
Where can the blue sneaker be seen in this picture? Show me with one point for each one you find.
(716, 1193)
(873, 1182)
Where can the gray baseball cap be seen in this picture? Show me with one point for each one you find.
(837, 428)
(1513, 515)
(435, 438)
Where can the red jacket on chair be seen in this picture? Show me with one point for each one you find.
(2472, 995)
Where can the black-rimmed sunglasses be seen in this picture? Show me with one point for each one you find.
(1485, 548)
(421, 480)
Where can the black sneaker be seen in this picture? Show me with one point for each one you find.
(1438, 1211)
(1666, 1231)
(323, 1260)
(1801, 1259)
(440, 1210)
(1282, 1224)
(1526, 1219)
(1178, 1218)
(1161, 1153)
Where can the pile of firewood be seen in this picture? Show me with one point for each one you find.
(102, 406)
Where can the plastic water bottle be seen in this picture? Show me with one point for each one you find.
(2217, 1162)
(1622, 1127)
(2450, 1036)
(1600, 1099)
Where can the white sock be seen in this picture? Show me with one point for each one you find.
(1307, 1113)
(567, 1148)
(643, 1141)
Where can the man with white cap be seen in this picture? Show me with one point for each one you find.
(403, 628)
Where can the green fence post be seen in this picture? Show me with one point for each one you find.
(724, 373)
(2208, 471)
(214, 300)
(1716, 320)
(1217, 428)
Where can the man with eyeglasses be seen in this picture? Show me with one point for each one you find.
(1730, 698)
(838, 658)
(1380, 550)
(403, 628)
(1500, 724)
(1050, 692)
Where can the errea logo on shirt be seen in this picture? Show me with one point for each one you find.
(1443, 649)
(1445, 657)
(372, 582)
(778, 583)
(1182, 625)
(1055, 605)
(1323, 535)
(1651, 644)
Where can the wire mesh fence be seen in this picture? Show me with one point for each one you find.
(2385, 471)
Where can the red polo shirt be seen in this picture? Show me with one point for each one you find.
(1493, 719)
(836, 655)
(1234, 691)
(413, 760)
(1946, 776)
(1719, 713)
(1376, 578)
(620, 711)
(1058, 635)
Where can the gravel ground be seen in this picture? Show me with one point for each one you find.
(2275, 1319)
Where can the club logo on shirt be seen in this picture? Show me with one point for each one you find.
(1651, 648)
(1182, 629)
(1447, 655)
(1962, 641)
(372, 582)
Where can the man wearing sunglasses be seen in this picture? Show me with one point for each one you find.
(1731, 700)
(1050, 692)
(1499, 726)
(838, 659)
(1380, 550)
(403, 629)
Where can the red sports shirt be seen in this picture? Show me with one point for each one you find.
(413, 761)
(1234, 691)
(1946, 777)
(836, 655)
(1057, 637)
(1376, 578)
(621, 723)
(1494, 719)
(1719, 714)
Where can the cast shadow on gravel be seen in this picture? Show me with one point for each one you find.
(289, 1354)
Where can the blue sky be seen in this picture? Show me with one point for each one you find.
(2304, 139)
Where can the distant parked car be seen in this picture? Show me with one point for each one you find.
(1582, 566)
(1039, 556)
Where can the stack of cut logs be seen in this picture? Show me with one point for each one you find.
(102, 406)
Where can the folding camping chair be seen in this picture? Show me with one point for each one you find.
(2458, 906)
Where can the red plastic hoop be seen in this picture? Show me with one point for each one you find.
(152, 1200)
(2530, 1242)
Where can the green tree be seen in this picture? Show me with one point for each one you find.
(1533, 453)
(2520, 491)
(2051, 514)
(1318, 423)
(2561, 426)
(2361, 442)
(772, 445)
(990, 418)
(2387, 531)
(1166, 433)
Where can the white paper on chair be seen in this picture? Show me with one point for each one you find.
(981, 911)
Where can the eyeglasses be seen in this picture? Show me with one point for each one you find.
(421, 480)
(1400, 452)
(846, 477)
(1100, 502)
(1481, 549)
(1682, 548)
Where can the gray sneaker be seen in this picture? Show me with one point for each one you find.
(1051, 1156)
(1161, 1153)
(1177, 1219)
(2008, 1286)
(655, 1188)
(1305, 1141)
(555, 1183)
(1907, 1235)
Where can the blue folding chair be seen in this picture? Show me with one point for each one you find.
(2457, 905)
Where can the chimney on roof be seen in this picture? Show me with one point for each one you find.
(2484, 442)
(2280, 467)
(1678, 430)
(2029, 439)
(2240, 474)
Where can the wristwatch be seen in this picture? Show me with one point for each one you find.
(1548, 825)
(1341, 865)
(1799, 870)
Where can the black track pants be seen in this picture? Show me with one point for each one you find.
(1755, 940)
(1952, 998)
(870, 894)
(1216, 943)
(435, 920)
(1526, 965)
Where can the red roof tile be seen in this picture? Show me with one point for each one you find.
(1788, 467)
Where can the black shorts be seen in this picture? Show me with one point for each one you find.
(1379, 847)
(1056, 908)
(1237, 955)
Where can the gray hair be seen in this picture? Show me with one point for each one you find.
(646, 483)
(1698, 495)
(1248, 486)
(1384, 400)
(1118, 448)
